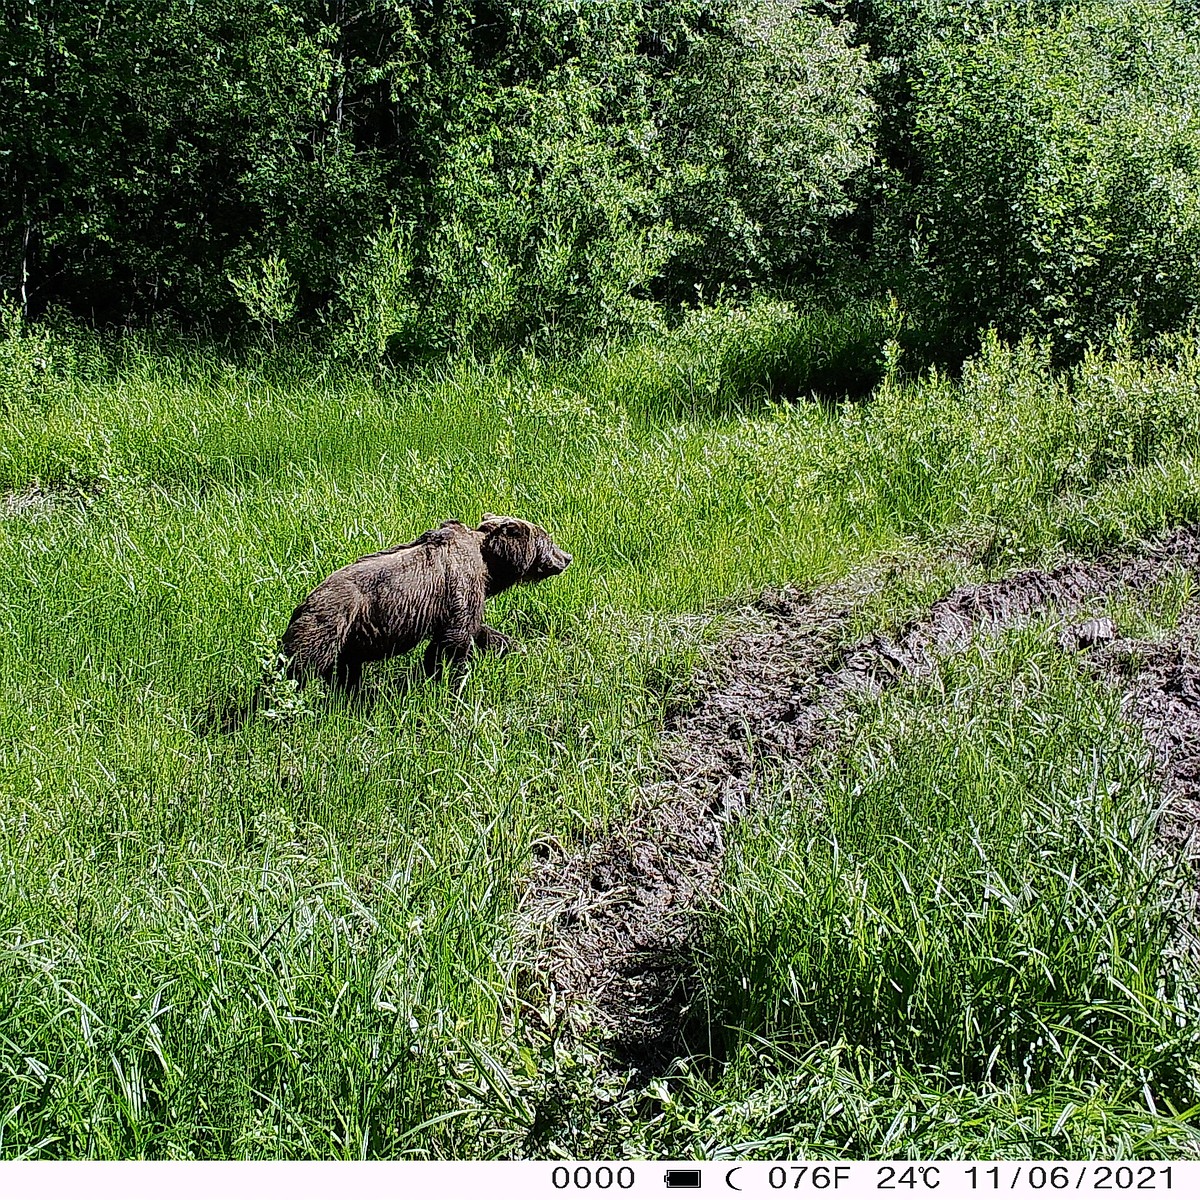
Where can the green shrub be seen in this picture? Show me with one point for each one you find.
(1059, 168)
(375, 303)
(543, 221)
(554, 171)
(28, 358)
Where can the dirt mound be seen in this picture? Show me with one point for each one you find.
(1161, 686)
(615, 920)
(617, 917)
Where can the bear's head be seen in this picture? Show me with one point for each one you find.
(517, 551)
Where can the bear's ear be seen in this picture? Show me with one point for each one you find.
(494, 524)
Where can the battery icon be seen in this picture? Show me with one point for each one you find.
(682, 1179)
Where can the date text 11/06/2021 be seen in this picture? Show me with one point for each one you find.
(944, 1177)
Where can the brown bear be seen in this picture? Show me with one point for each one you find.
(431, 589)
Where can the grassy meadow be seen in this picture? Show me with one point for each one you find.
(294, 937)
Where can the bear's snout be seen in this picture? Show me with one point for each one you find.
(560, 561)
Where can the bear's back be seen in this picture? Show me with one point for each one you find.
(424, 564)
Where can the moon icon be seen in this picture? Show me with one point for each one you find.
(729, 1178)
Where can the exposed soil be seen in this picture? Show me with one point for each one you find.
(614, 921)
(1161, 686)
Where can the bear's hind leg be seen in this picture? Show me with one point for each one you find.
(319, 640)
(348, 675)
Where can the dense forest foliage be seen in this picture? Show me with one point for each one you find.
(410, 178)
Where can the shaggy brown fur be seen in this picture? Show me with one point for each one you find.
(431, 589)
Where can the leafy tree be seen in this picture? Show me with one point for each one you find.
(159, 144)
(764, 128)
(553, 163)
(1060, 172)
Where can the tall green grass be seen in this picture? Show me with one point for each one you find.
(971, 893)
(293, 938)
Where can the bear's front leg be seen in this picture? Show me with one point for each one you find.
(464, 622)
(492, 641)
(453, 650)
